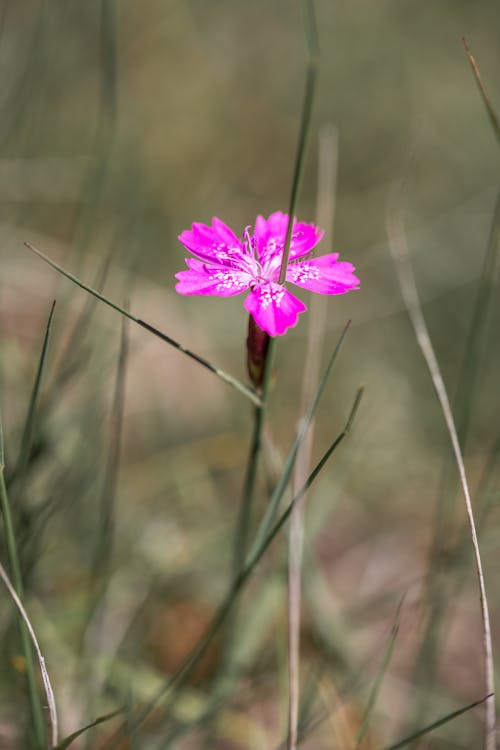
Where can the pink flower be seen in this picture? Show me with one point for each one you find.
(225, 265)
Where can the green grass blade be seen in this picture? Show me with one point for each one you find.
(436, 724)
(372, 699)
(107, 511)
(305, 126)
(234, 382)
(2, 450)
(27, 436)
(259, 550)
(100, 720)
(71, 356)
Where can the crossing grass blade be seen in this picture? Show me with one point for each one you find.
(234, 382)
(100, 720)
(275, 500)
(436, 724)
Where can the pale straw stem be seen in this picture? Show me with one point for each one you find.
(399, 248)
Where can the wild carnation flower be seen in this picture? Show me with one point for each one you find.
(225, 265)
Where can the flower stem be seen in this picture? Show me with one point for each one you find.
(34, 696)
(245, 516)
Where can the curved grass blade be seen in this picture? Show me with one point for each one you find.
(100, 720)
(45, 675)
(15, 570)
(400, 252)
(234, 382)
(463, 400)
(436, 724)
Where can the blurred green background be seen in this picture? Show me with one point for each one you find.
(122, 123)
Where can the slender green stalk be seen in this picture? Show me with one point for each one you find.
(327, 169)
(93, 661)
(98, 169)
(243, 525)
(105, 531)
(305, 125)
(234, 382)
(39, 726)
(259, 413)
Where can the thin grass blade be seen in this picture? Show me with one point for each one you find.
(436, 724)
(100, 720)
(377, 684)
(492, 115)
(305, 124)
(15, 570)
(282, 484)
(234, 382)
(27, 435)
(51, 703)
(327, 173)
(259, 550)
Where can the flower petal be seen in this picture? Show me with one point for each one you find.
(273, 308)
(215, 244)
(203, 279)
(270, 234)
(324, 275)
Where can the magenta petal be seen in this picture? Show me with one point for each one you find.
(273, 308)
(215, 244)
(270, 235)
(201, 279)
(324, 275)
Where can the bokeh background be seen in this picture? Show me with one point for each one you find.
(122, 123)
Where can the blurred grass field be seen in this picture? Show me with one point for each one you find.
(122, 123)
